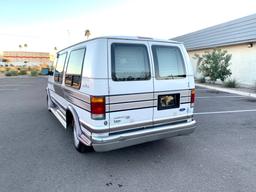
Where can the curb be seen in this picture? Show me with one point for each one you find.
(23, 77)
(247, 94)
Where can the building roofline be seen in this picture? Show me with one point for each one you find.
(221, 45)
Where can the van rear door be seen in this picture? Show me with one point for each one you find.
(130, 101)
(171, 83)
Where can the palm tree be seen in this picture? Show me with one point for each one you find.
(20, 46)
(25, 46)
(87, 33)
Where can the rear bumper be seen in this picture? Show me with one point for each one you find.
(121, 140)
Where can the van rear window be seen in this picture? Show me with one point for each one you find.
(168, 61)
(130, 62)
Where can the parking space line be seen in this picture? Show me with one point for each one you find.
(201, 89)
(223, 96)
(8, 89)
(16, 85)
(226, 90)
(225, 112)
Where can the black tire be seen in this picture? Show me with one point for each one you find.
(80, 147)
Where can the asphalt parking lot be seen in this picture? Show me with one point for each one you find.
(36, 153)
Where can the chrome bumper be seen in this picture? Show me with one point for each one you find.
(121, 140)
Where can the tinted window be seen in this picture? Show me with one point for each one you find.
(129, 62)
(168, 61)
(58, 74)
(74, 68)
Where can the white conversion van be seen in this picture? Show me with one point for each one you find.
(115, 92)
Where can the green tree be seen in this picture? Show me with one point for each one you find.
(215, 64)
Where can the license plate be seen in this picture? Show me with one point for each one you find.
(168, 101)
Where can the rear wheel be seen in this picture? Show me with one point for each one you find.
(80, 147)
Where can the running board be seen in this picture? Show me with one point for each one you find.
(59, 116)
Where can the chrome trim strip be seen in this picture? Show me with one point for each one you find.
(174, 120)
(131, 127)
(136, 125)
(141, 133)
(93, 130)
(61, 114)
(61, 107)
(84, 139)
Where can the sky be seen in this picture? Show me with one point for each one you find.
(45, 24)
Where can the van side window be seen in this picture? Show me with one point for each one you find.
(74, 68)
(58, 74)
(169, 63)
(129, 62)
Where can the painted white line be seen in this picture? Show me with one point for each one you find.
(8, 89)
(201, 89)
(225, 112)
(15, 85)
(228, 90)
(224, 96)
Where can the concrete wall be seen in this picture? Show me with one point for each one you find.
(243, 61)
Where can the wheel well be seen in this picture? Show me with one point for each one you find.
(69, 118)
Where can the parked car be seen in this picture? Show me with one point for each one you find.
(115, 92)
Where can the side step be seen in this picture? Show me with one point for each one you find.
(58, 114)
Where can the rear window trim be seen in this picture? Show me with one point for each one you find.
(156, 66)
(113, 61)
(81, 73)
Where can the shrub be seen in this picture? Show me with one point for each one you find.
(34, 73)
(23, 72)
(215, 64)
(2, 69)
(35, 68)
(11, 73)
(231, 83)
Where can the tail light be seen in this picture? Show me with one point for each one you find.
(193, 97)
(98, 108)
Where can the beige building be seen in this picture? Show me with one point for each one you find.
(25, 58)
(238, 37)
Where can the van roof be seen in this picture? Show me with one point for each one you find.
(140, 38)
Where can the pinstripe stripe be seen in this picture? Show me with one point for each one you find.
(119, 102)
(130, 98)
(80, 96)
(78, 103)
(132, 105)
(183, 93)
